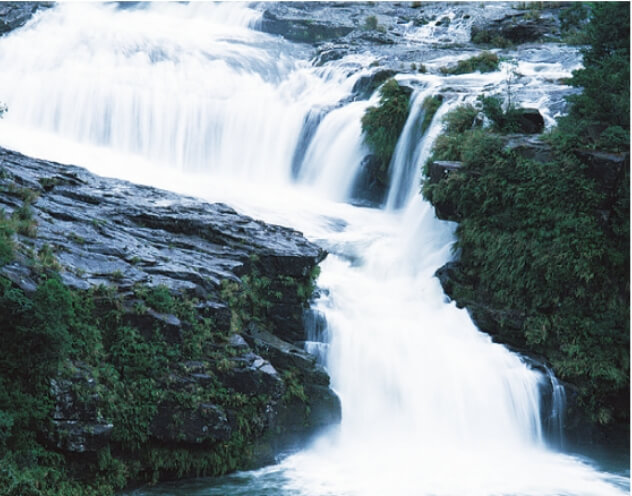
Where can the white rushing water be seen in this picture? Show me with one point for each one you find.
(189, 98)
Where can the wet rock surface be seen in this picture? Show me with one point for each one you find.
(516, 27)
(77, 425)
(107, 232)
(15, 14)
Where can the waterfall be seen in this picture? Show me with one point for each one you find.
(554, 417)
(190, 98)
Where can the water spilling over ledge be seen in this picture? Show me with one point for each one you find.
(192, 99)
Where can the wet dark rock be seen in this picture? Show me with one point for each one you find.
(76, 425)
(367, 189)
(124, 236)
(19, 275)
(206, 422)
(438, 170)
(216, 310)
(149, 321)
(531, 147)
(504, 325)
(366, 85)
(120, 234)
(294, 420)
(327, 55)
(253, 375)
(531, 121)
(515, 27)
(605, 168)
(292, 23)
(286, 356)
(16, 14)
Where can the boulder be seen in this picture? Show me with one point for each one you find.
(530, 121)
(286, 356)
(15, 14)
(531, 147)
(298, 28)
(517, 28)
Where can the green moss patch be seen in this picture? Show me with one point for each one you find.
(483, 62)
(383, 124)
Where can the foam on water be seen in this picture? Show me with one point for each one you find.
(189, 98)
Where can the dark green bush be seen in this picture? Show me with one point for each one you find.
(383, 124)
(504, 116)
(483, 62)
(430, 106)
(461, 119)
(492, 38)
(532, 241)
(605, 78)
(370, 22)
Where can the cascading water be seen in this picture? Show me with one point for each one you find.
(188, 97)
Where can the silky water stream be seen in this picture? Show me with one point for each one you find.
(189, 98)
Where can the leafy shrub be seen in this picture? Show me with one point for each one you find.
(492, 38)
(615, 139)
(430, 106)
(573, 20)
(370, 22)
(6, 239)
(383, 124)
(483, 62)
(461, 119)
(605, 78)
(532, 242)
(504, 116)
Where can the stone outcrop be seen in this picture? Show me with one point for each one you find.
(107, 232)
(531, 147)
(289, 20)
(515, 27)
(15, 14)
(530, 121)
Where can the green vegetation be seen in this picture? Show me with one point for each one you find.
(546, 245)
(491, 38)
(430, 106)
(503, 114)
(573, 20)
(370, 22)
(483, 62)
(124, 368)
(383, 124)
(600, 115)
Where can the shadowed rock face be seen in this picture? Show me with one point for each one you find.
(124, 236)
(15, 14)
